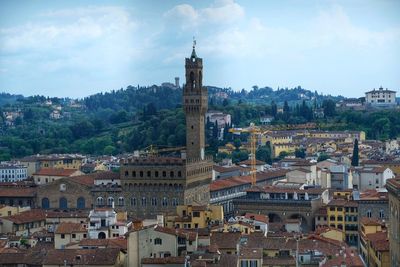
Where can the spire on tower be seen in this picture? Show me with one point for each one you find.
(194, 51)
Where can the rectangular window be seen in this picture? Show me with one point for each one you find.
(73, 235)
(196, 214)
(62, 236)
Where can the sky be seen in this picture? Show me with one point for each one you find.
(78, 48)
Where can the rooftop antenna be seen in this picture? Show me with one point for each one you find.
(194, 42)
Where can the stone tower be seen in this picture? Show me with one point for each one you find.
(195, 101)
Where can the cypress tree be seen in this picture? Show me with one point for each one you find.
(354, 160)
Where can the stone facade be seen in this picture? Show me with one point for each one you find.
(64, 194)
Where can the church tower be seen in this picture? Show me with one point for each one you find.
(195, 102)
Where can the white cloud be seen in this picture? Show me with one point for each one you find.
(334, 26)
(220, 12)
(66, 28)
(328, 29)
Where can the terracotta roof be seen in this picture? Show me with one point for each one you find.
(225, 240)
(250, 253)
(242, 180)
(69, 228)
(86, 257)
(379, 241)
(373, 194)
(370, 221)
(17, 192)
(226, 260)
(351, 259)
(378, 169)
(343, 203)
(107, 243)
(87, 180)
(55, 172)
(395, 182)
(248, 162)
(257, 217)
(222, 169)
(279, 261)
(27, 216)
(168, 260)
(67, 214)
(191, 236)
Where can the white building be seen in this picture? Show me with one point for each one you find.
(219, 117)
(12, 172)
(371, 177)
(103, 224)
(381, 97)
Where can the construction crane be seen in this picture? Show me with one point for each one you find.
(254, 132)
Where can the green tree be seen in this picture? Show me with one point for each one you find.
(238, 156)
(264, 153)
(329, 108)
(237, 143)
(323, 157)
(300, 153)
(109, 150)
(354, 160)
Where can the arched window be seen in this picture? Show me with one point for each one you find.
(171, 174)
(164, 174)
(381, 214)
(121, 201)
(148, 173)
(80, 203)
(63, 203)
(164, 202)
(133, 201)
(45, 203)
(144, 201)
(192, 80)
(154, 201)
(99, 201)
(110, 201)
(369, 213)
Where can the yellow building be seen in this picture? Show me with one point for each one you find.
(360, 135)
(283, 147)
(67, 233)
(331, 233)
(374, 243)
(11, 210)
(61, 162)
(234, 227)
(188, 216)
(343, 214)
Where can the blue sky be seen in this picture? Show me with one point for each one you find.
(78, 48)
